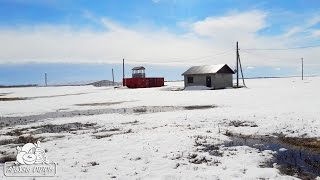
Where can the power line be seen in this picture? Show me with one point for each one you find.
(265, 57)
(281, 49)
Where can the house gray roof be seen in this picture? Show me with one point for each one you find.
(138, 68)
(209, 69)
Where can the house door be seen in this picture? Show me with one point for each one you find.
(208, 80)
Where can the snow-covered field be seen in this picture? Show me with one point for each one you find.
(163, 145)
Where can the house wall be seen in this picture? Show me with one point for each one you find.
(218, 81)
(222, 80)
(198, 80)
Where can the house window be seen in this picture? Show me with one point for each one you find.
(190, 79)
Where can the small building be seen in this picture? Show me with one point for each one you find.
(212, 76)
(139, 79)
(138, 72)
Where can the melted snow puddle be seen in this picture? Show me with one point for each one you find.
(21, 120)
(290, 160)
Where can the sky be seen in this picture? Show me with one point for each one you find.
(83, 40)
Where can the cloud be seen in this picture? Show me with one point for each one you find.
(64, 44)
(316, 33)
(233, 26)
(208, 41)
(303, 28)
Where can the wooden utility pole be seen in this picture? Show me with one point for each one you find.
(244, 84)
(123, 81)
(45, 79)
(302, 68)
(112, 78)
(237, 64)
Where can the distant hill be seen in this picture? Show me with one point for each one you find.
(104, 83)
(22, 85)
(85, 83)
(76, 83)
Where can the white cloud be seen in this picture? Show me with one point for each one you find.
(293, 31)
(316, 33)
(302, 28)
(234, 26)
(205, 39)
(64, 44)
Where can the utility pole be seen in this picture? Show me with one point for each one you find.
(302, 68)
(112, 78)
(241, 72)
(237, 68)
(45, 79)
(238, 62)
(123, 81)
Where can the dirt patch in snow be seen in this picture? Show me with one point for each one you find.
(12, 99)
(21, 140)
(110, 132)
(312, 144)
(135, 122)
(60, 95)
(53, 128)
(100, 104)
(4, 94)
(7, 158)
(21, 120)
(199, 107)
(31, 134)
(238, 123)
(36, 97)
(299, 157)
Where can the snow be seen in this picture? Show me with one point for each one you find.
(282, 149)
(159, 145)
(193, 88)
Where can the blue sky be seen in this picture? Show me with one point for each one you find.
(83, 40)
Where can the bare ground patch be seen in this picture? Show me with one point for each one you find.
(312, 144)
(21, 140)
(238, 123)
(20, 120)
(110, 132)
(100, 104)
(7, 158)
(295, 156)
(135, 122)
(53, 128)
(36, 97)
(4, 94)
(12, 99)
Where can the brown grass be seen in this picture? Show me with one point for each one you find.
(308, 143)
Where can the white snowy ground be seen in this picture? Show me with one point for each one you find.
(159, 145)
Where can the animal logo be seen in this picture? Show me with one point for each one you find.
(31, 154)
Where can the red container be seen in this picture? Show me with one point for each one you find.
(143, 82)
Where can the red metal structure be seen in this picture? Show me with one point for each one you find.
(139, 80)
